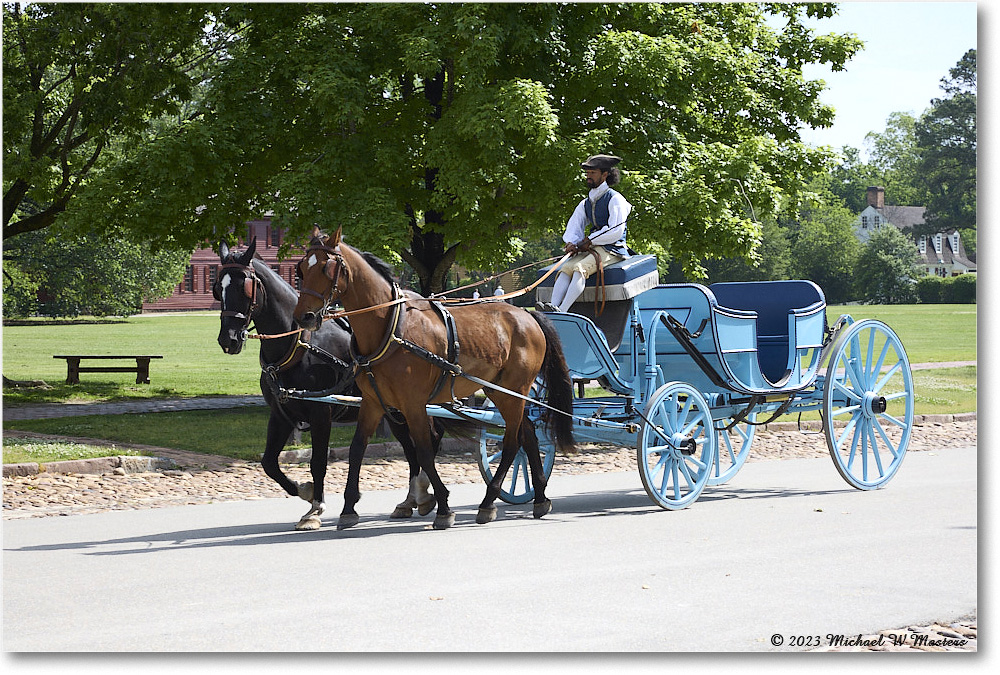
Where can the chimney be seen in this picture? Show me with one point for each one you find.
(876, 197)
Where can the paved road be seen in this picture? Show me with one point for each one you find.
(788, 549)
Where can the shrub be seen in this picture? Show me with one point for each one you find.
(929, 289)
(959, 290)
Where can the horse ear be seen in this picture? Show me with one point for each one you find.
(223, 250)
(335, 238)
(251, 249)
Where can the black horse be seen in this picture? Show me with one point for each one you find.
(250, 292)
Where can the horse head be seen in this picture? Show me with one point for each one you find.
(238, 290)
(322, 275)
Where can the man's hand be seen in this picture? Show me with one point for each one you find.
(570, 247)
(585, 245)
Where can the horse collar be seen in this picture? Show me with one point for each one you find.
(390, 341)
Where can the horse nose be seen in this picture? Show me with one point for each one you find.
(307, 319)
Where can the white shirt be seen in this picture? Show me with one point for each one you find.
(618, 212)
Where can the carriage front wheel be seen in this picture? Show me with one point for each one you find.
(676, 446)
(868, 404)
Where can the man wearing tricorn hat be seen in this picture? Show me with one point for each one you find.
(604, 213)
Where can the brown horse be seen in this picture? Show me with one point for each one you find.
(404, 352)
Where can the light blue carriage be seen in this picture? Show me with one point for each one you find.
(692, 369)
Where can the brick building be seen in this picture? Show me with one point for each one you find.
(195, 289)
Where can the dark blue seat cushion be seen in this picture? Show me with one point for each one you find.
(617, 273)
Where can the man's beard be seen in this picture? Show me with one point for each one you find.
(593, 183)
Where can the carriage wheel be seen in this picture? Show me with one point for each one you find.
(677, 446)
(517, 487)
(868, 404)
(733, 448)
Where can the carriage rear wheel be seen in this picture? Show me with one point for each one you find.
(733, 448)
(676, 446)
(517, 487)
(868, 404)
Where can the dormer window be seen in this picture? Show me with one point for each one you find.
(864, 222)
(922, 245)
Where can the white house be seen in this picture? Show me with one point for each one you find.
(941, 254)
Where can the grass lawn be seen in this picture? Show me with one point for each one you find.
(929, 333)
(194, 365)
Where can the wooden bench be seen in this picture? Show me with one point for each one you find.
(141, 367)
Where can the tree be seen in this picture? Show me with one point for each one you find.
(449, 132)
(102, 275)
(886, 269)
(895, 160)
(824, 248)
(946, 136)
(773, 259)
(79, 78)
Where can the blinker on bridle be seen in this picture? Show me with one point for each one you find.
(332, 269)
(250, 284)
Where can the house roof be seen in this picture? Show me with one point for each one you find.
(903, 216)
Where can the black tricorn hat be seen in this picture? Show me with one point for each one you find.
(601, 162)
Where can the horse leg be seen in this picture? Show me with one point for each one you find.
(417, 497)
(487, 511)
(278, 430)
(368, 419)
(313, 492)
(425, 447)
(529, 441)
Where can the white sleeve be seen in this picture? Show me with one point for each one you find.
(575, 227)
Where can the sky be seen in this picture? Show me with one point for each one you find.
(909, 48)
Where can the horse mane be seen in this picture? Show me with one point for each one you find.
(382, 267)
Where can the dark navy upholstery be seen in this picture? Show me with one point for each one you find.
(772, 300)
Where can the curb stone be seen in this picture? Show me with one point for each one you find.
(123, 464)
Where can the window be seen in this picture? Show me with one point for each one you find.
(189, 279)
(922, 244)
(275, 236)
(878, 221)
(864, 222)
(213, 276)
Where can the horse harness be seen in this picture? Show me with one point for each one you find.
(393, 340)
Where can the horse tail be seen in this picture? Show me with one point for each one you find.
(558, 385)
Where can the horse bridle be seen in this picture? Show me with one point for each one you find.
(332, 269)
(250, 286)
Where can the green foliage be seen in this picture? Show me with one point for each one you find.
(20, 290)
(928, 289)
(951, 290)
(895, 159)
(78, 79)
(946, 136)
(886, 270)
(960, 289)
(442, 133)
(824, 248)
(99, 275)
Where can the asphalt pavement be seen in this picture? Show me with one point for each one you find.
(786, 550)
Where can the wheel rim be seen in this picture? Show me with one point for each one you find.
(733, 448)
(868, 404)
(676, 446)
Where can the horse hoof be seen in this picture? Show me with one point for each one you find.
(444, 521)
(309, 523)
(306, 491)
(401, 512)
(425, 508)
(348, 520)
(486, 515)
(542, 508)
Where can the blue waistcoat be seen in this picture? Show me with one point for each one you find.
(598, 219)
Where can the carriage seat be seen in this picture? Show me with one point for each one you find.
(623, 281)
(773, 301)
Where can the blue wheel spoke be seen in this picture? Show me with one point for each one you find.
(871, 351)
(899, 423)
(885, 379)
